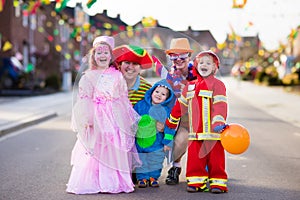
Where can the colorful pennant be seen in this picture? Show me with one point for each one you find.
(7, 46)
(60, 5)
(239, 3)
(90, 3)
(2, 2)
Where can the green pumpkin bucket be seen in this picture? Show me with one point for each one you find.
(146, 133)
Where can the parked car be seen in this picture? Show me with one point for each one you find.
(10, 73)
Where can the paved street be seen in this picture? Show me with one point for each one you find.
(35, 159)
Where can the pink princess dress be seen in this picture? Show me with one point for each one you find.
(104, 154)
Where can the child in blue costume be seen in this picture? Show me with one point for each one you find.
(151, 144)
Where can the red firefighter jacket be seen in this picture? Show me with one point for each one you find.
(205, 101)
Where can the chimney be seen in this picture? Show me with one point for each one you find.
(104, 12)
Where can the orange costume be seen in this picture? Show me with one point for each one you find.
(206, 103)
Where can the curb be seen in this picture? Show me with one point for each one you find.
(26, 122)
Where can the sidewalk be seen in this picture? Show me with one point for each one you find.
(271, 99)
(25, 111)
(19, 112)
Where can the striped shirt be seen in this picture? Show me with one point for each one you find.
(137, 92)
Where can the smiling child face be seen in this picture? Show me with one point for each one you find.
(206, 65)
(159, 94)
(102, 56)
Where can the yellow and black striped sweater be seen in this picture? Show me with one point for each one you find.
(138, 94)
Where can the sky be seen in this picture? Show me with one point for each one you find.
(272, 20)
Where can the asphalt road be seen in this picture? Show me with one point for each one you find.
(35, 162)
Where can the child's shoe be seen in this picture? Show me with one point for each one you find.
(217, 190)
(196, 189)
(142, 183)
(153, 182)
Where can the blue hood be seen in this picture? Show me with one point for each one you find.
(158, 111)
(169, 102)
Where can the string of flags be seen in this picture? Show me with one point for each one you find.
(31, 6)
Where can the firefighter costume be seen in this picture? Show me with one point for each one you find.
(205, 101)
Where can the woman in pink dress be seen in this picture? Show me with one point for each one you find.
(104, 154)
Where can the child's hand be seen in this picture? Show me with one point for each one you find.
(166, 148)
(160, 126)
(220, 128)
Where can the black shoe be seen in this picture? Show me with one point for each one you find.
(173, 176)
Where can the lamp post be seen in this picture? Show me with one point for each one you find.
(67, 75)
(81, 18)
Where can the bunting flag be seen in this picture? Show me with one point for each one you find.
(90, 3)
(157, 41)
(233, 34)
(293, 34)
(34, 7)
(45, 2)
(7, 46)
(29, 68)
(149, 22)
(249, 24)
(239, 3)
(16, 3)
(2, 2)
(60, 5)
(221, 46)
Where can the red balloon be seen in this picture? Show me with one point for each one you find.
(235, 139)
